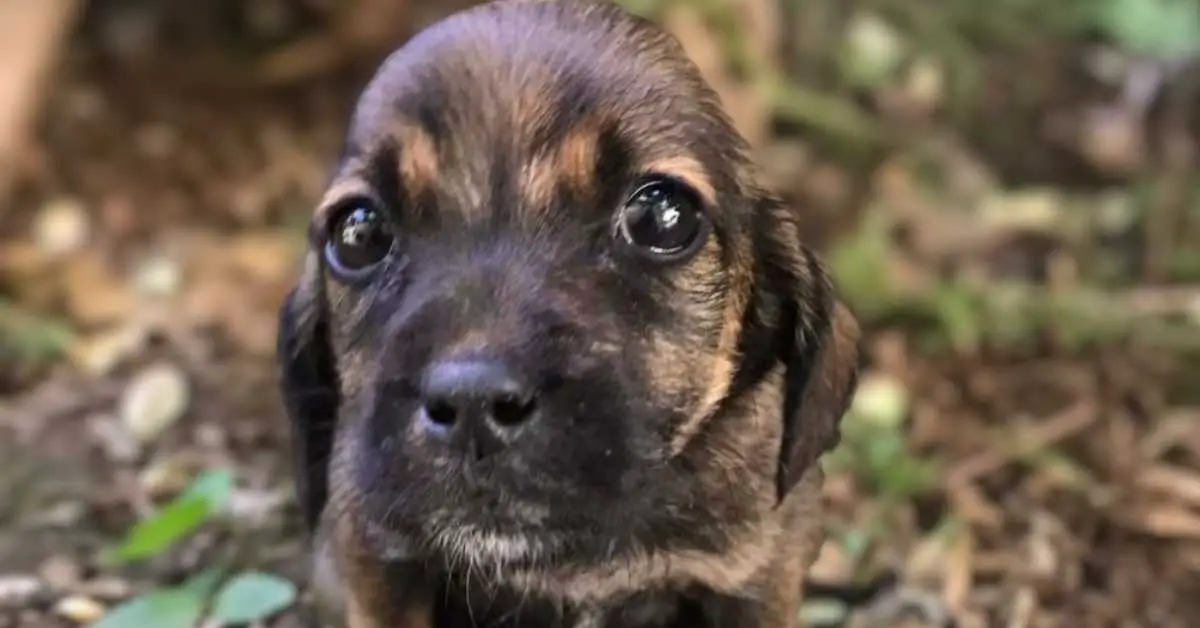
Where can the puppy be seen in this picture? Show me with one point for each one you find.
(556, 359)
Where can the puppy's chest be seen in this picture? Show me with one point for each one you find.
(457, 608)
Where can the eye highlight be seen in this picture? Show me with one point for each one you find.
(663, 219)
(359, 239)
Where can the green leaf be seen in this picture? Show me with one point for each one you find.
(859, 264)
(164, 608)
(908, 477)
(959, 315)
(214, 486)
(251, 596)
(1163, 28)
(204, 583)
(206, 496)
(32, 338)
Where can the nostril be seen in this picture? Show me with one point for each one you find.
(483, 393)
(441, 412)
(510, 411)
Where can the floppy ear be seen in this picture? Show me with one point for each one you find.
(820, 353)
(308, 381)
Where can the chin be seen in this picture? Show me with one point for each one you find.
(471, 546)
(464, 526)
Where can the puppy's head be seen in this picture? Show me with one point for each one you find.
(548, 315)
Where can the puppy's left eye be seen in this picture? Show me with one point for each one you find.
(662, 217)
(359, 239)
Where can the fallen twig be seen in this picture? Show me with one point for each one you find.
(1047, 433)
(31, 34)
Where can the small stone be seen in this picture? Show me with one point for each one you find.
(255, 507)
(79, 609)
(926, 83)
(154, 400)
(823, 613)
(211, 436)
(1034, 208)
(60, 572)
(109, 589)
(881, 400)
(873, 49)
(158, 277)
(60, 515)
(18, 590)
(61, 227)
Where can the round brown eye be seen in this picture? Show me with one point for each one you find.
(359, 239)
(663, 218)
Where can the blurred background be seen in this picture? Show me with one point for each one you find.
(1007, 192)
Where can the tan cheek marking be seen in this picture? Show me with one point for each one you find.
(688, 170)
(731, 329)
(724, 361)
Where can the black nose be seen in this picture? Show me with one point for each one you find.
(482, 397)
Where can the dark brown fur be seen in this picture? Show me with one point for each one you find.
(679, 486)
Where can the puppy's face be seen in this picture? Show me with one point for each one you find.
(548, 316)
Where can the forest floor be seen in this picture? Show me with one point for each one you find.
(1021, 245)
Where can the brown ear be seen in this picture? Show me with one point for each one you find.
(822, 372)
(308, 381)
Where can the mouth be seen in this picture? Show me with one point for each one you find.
(479, 546)
(473, 544)
(460, 518)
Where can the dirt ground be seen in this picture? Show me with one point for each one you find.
(158, 219)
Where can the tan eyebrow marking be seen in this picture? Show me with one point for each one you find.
(689, 170)
(577, 155)
(419, 163)
(571, 162)
(418, 170)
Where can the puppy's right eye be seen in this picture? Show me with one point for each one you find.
(662, 219)
(359, 239)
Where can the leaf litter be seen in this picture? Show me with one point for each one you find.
(1024, 450)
